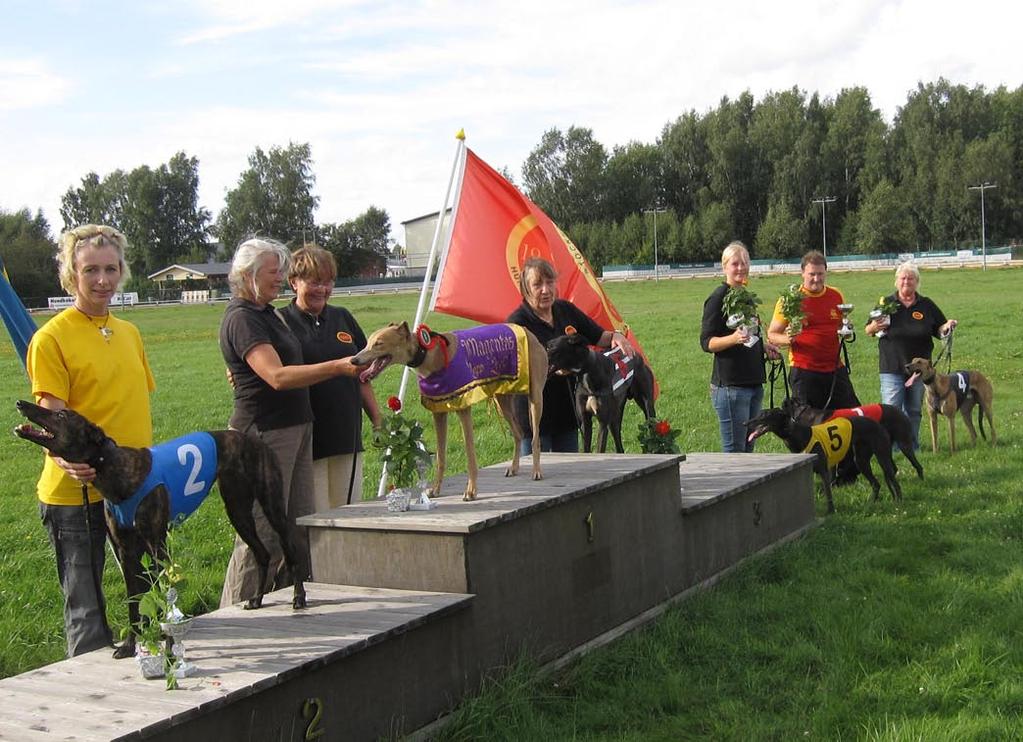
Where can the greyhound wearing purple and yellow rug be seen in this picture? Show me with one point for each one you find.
(458, 369)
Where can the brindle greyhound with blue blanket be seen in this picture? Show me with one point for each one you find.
(138, 512)
(947, 393)
(429, 354)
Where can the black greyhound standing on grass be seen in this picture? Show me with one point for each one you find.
(830, 443)
(245, 467)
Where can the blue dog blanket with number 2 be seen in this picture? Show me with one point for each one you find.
(186, 466)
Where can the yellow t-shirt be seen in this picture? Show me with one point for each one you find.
(834, 437)
(106, 380)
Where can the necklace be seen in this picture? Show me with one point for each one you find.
(105, 331)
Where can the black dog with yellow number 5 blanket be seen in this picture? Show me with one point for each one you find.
(831, 442)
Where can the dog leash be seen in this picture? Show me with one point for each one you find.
(843, 354)
(778, 369)
(96, 583)
(946, 347)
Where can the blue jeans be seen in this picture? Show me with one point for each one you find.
(85, 614)
(910, 401)
(566, 442)
(735, 405)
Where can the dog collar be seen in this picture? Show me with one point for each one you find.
(427, 340)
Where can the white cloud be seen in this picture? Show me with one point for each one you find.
(29, 83)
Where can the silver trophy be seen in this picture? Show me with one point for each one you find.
(750, 327)
(879, 316)
(847, 332)
(176, 627)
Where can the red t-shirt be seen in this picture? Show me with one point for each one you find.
(815, 348)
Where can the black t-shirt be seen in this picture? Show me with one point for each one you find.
(735, 366)
(337, 402)
(909, 335)
(558, 393)
(246, 325)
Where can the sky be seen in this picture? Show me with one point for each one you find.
(379, 89)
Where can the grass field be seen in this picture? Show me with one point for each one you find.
(887, 622)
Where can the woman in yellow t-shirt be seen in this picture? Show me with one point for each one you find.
(86, 359)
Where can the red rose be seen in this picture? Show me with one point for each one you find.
(662, 427)
(394, 403)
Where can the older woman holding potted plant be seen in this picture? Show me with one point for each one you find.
(905, 324)
(731, 331)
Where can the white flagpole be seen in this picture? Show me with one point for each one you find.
(455, 169)
(448, 232)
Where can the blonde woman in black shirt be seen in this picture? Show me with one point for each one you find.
(737, 375)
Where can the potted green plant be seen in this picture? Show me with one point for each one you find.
(739, 307)
(160, 619)
(406, 458)
(885, 307)
(792, 309)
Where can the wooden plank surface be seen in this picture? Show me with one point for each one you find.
(500, 499)
(235, 652)
(709, 477)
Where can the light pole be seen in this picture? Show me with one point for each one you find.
(655, 210)
(983, 237)
(824, 201)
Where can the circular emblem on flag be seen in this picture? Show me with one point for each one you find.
(526, 240)
(918, 315)
(344, 337)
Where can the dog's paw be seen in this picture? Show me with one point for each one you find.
(469, 496)
(299, 602)
(124, 651)
(511, 471)
(253, 603)
(537, 475)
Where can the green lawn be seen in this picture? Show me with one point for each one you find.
(887, 622)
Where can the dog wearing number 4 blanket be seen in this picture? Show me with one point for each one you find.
(148, 489)
(830, 443)
(606, 381)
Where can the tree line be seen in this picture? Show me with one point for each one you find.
(753, 171)
(159, 212)
(750, 170)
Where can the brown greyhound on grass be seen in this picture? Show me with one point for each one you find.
(430, 354)
(138, 512)
(949, 393)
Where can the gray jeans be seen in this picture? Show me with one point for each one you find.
(85, 617)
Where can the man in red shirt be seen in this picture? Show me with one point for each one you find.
(818, 377)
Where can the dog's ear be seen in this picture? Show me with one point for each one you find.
(403, 328)
(577, 339)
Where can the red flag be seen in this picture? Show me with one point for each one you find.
(496, 229)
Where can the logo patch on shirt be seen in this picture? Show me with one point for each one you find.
(344, 337)
(569, 330)
(918, 315)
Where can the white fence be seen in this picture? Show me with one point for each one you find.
(120, 299)
(958, 259)
(195, 297)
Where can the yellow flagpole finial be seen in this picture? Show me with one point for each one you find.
(460, 136)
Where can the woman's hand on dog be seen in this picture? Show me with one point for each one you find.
(78, 472)
(618, 340)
